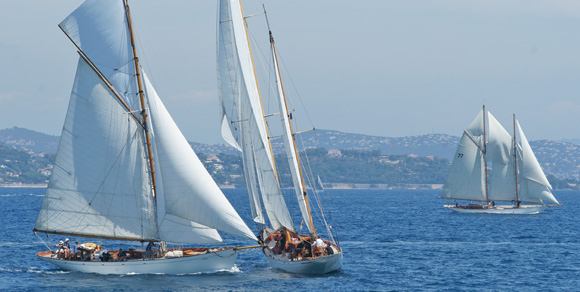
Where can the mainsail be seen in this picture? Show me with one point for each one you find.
(290, 145)
(242, 111)
(534, 186)
(99, 185)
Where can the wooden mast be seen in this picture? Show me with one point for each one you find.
(304, 193)
(485, 159)
(259, 95)
(142, 99)
(516, 164)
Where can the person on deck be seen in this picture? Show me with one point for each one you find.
(319, 246)
(149, 250)
(121, 256)
(105, 256)
(61, 252)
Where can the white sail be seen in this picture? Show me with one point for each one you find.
(290, 149)
(466, 179)
(99, 185)
(100, 29)
(231, 87)
(189, 192)
(241, 108)
(502, 183)
(534, 186)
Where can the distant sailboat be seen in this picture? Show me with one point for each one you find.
(123, 169)
(320, 185)
(244, 127)
(516, 176)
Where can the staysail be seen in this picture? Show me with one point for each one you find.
(466, 179)
(500, 152)
(241, 110)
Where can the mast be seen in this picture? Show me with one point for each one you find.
(142, 99)
(485, 159)
(259, 95)
(304, 193)
(516, 164)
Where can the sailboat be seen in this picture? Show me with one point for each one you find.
(320, 185)
(516, 176)
(123, 169)
(244, 126)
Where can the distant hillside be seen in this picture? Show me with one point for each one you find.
(24, 167)
(29, 140)
(560, 159)
(439, 145)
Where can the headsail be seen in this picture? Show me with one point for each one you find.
(241, 110)
(466, 180)
(99, 186)
(189, 191)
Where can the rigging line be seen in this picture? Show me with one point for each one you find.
(310, 178)
(289, 76)
(255, 14)
(270, 71)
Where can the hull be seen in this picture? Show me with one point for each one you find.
(213, 261)
(316, 266)
(523, 209)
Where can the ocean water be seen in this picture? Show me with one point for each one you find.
(393, 240)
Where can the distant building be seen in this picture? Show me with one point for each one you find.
(334, 153)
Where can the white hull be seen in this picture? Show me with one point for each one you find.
(316, 266)
(220, 260)
(500, 209)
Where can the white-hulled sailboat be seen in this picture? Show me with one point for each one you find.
(516, 176)
(123, 169)
(244, 126)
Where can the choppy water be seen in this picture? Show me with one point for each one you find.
(393, 240)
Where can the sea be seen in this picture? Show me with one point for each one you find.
(393, 240)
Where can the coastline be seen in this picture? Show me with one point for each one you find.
(327, 186)
(21, 185)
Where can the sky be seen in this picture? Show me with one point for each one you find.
(380, 67)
